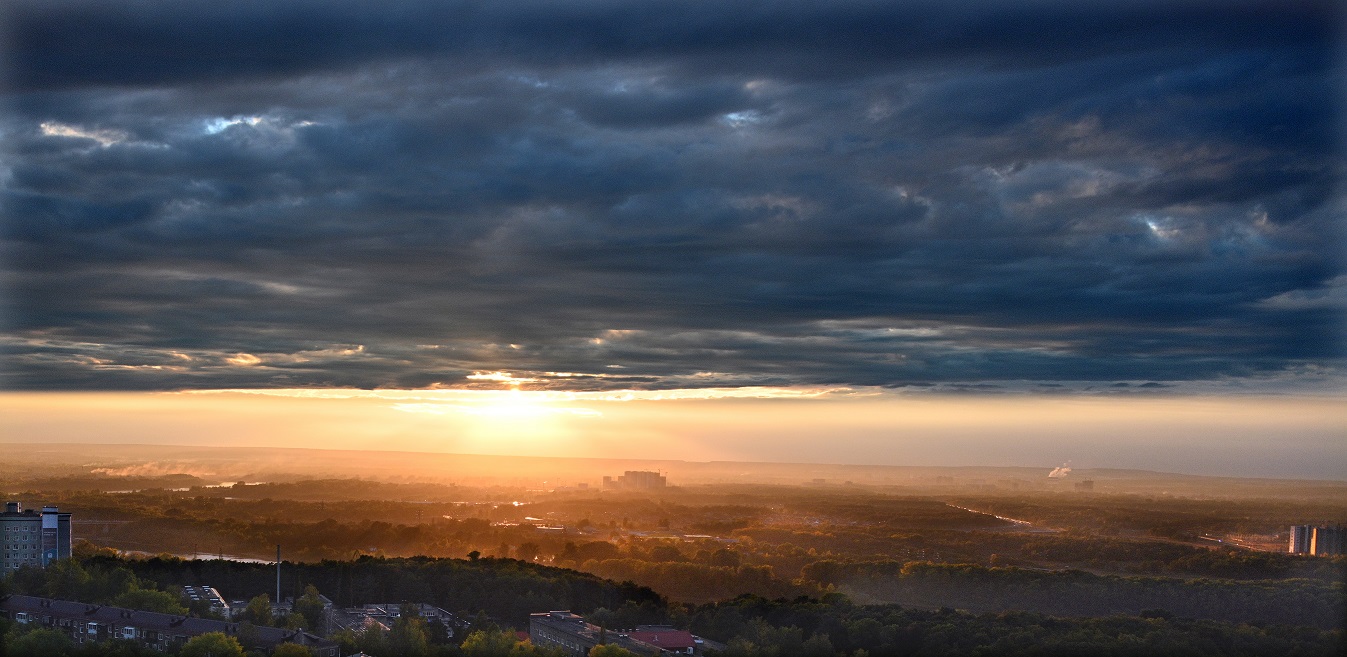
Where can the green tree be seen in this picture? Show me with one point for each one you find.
(116, 648)
(259, 611)
(569, 553)
(105, 584)
(66, 580)
(311, 607)
(725, 557)
(489, 643)
(602, 616)
(372, 640)
(527, 551)
(84, 549)
(481, 622)
(212, 644)
(248, 634)
(348, 642)
(817, 646)
(48, 643)
(148, 600)
(294, 621)
(408, 638)
(437, 632)
(665, 553)
(292, 650)
(610, 650)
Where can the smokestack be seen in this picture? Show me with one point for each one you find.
(278, 574)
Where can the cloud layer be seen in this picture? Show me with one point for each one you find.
(630, 195)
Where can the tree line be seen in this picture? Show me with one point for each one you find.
(1079, 593)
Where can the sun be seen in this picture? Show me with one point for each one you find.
(518, 422)
(510, 404)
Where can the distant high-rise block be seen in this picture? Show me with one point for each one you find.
(1300, 539)
(641, 479)
(1318, 541)
(1327, 541)
(28, 538)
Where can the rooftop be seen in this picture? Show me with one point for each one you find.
(148, 619)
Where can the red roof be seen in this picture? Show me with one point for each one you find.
(667, 639)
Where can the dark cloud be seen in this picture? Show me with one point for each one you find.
(902, 194)
(150, 42)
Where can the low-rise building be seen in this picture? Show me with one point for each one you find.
(565, 630)
(384, 616)
(86, 623)
(665, 637)
(572, 633)
(210, 597)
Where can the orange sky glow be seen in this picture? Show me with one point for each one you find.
(1252, 436)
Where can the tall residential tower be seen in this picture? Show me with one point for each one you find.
(29, 538)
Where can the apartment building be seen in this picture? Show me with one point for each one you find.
(29, 538)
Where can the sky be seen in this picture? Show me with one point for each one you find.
(893, 200)
(1282, 437)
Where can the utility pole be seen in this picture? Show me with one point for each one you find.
(278, 574)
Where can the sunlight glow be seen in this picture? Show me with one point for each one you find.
(468, 397)
(219, 124)
(1259, 436)
(499, 377)
(104, 138)
(507, 404)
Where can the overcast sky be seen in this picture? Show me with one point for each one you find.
(1026, 196)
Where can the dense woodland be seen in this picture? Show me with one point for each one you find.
(748, 539)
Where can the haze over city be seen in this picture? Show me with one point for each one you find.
(905, 233)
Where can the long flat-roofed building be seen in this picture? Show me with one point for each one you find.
(572, 633)
(384, 616)
(562, 629)
(211, 597)
(86, 623)
(666, 638)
